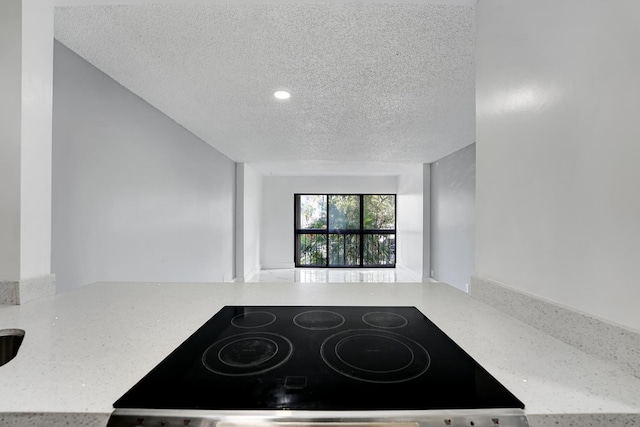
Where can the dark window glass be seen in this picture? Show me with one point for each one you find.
(379, 249)
(345, 230)
(344, 212)
(311, 250)
(312, 212)
(379, 212)
(344, 250)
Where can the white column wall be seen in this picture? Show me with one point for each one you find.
(10, 134)
(248, 221)
(558, 205)
(26, 49)
(37, 92)
(252, 221)
(426, 222)
(239, 224)
(410, 232)
(453, 191)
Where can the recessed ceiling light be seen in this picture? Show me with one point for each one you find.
(282, 94)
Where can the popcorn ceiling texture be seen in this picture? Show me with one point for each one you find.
(369, 82)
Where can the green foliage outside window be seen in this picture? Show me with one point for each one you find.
(340, 237)
(344, 249)
(313, 249)
(313, 212)
(379, 249)
(379, 212)
(344, 212)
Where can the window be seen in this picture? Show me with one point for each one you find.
(345, 230)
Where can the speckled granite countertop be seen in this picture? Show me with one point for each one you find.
(84, 349)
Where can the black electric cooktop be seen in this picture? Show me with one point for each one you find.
(318, 358)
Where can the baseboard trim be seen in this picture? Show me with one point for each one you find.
(594, 336)
(252, 274)
(278, 266)
(25, 290)
(415, 277)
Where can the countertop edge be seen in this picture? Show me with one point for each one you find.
(93, 419)
(54, 419)
(584, 420)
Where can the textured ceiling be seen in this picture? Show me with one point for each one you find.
(371, 84)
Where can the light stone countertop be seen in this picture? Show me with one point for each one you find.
(84, 349)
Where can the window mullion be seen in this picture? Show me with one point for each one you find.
(326, 264)
(360, 234)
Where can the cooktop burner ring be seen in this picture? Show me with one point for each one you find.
(385, 320)
(387, 364)
(265, 359)
(379, 371)
(332, 321)
(253, 319)
(246, 354)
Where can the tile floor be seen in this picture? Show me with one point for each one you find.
(333, 275)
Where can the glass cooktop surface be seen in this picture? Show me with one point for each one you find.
(318, 358)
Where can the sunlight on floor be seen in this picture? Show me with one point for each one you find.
(333, 275)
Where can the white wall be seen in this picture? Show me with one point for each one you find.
(35, 180)
(277, 208)
(558, 204)
(453, 191)
(136, 197)
(26, 58)
(426, 222)
(248, 221)
(409, 221)
(10, 134)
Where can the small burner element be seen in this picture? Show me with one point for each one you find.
(385, 320)
(245, 354)
(253, 319)
(375, 356)
(319, 320)
(248, 352)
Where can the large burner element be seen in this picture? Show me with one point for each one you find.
(251, 353)
(319, 320)
(375, 356)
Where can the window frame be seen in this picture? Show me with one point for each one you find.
(360, 232)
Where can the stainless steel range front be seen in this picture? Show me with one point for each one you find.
(316, 367)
